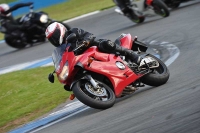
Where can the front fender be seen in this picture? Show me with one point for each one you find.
(72, 84)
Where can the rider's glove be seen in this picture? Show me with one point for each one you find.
(86, 42)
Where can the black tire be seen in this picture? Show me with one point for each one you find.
(87, 98)
(160, 8)
(137, 17)
(14, 42)
(159, 76)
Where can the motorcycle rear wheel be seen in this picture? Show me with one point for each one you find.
(158, 76)
(15, 42)
(94, 98)
(160, 8)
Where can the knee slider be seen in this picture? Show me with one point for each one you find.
(107, 45)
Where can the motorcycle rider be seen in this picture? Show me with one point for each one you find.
(56, 33)
(7, 19)
(125, 7)
(10, 24)
(13, 27)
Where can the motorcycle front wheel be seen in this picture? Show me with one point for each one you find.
(158, 76)
(160, 8)
(101, 98)
(136, 17)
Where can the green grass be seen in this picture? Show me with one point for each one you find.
(6, 1)
(26, 95)
(75, 8)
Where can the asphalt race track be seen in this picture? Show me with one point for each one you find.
(171, 108)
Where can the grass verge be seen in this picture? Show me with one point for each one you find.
(26, 95)
(6, 1)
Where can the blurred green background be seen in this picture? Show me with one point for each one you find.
(6, 1)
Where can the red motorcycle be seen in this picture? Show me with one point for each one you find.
(97, 78)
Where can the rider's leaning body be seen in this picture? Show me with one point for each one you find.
(56, 33)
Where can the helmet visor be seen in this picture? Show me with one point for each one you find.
(54, 39)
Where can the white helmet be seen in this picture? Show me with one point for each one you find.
(55, 33)
(4, 7)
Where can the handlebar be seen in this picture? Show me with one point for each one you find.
(80, 46)
(31, 8)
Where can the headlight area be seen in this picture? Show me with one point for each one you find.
(44, 18)
(64, 73)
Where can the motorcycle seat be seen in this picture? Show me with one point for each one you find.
(117, 41)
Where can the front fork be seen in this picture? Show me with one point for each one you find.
(92, 81)
(89, 78)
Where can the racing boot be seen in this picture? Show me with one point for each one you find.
(129, 53)
(138, 60)
(111, 47)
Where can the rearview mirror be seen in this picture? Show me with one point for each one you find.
(51, 78)
(71, 37)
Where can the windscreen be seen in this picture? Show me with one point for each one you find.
(57, 55)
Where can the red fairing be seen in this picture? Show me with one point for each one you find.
(102, 63)
(72, 61)
(149, 2)
(127, 41)
(119, 78)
